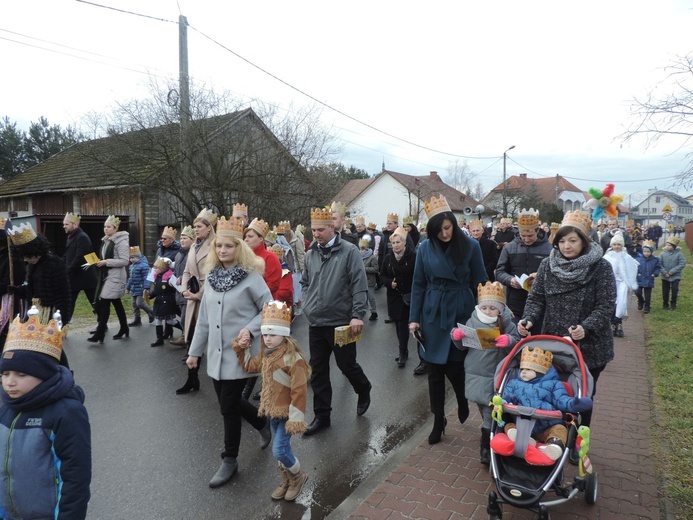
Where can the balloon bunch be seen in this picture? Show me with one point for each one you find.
(604, 201)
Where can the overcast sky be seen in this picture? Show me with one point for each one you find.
(441, 81)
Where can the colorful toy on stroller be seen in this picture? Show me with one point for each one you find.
(523, 469)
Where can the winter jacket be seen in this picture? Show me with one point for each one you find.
(297, 243)
(673, 263)
(79, 244)
(273, 268)
(194, 266)
(167, 252)
(137, 282)
(178, 269)
(112, 278)
(517, 259)
(370, 264)
(605, 241)
(490, 254)
(544, 392)
(285, 293)
(46, 454)
(442, 295)
(222, 316)
(284, 385)
(48, 281)
(648, 269)
(480, 365)
(334, 285)
(589, 301)
(165, 306)
(402, 271)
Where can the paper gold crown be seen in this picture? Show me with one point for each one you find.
(435, 206)
(277, 250)
(259, 226)
(630, 223)
(271, 236)
(674, 241)
(536, 359)
(72, 218)
(476, 223)
(365, 242)
(283, 227)
(462, 221)
(188, 231)
(169, 232)
(401, 232)
(393, 217)
(22, 234)
(113, 221)
(555, 226)
(506, 220)
(408, 220)
(321, 216)
(650, 244)
(338, 207)
(579, 220)
(372, 225)
(276, 319)
(240, 210)
(360, 221)
(32, 336)
(208, 216)
(135, 250)
(162, 262)
(232, 227)
(528, 218)
(491, 292)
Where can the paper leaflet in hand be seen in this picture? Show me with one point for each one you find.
(523, 281)
(479, 339)
(174, 282)
(344, 335)
(91, 258)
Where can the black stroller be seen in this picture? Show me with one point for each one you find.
(519, 483)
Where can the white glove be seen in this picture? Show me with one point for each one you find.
(85, 267)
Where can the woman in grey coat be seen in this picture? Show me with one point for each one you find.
(112, 276)
(231, 310)
(575, 291)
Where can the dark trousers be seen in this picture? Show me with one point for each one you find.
(402, 328)
(90, 293)
(233, 409)
(103, 309)
(644, 295)
(454, 371)
(587, 416)
(666, 288)
(321, 341)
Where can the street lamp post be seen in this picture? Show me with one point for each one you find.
(505, 187)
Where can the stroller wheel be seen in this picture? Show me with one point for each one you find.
(544, 513)
(591, 489)
(494, 509)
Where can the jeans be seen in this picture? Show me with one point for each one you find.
(139, 303)
(233, 409)
(281, 445)
(371, 299)
(666, 287)
(644, 295)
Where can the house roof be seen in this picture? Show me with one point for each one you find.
(426, 185)
(114, 161)
(546, 187)
(678, 199)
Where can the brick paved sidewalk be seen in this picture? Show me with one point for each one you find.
(446, 481)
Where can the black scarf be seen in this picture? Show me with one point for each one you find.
(222, 280)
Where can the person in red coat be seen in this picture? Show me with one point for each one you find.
(286, 284)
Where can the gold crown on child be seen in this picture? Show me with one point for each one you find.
(528, 218)
(233, 227)
(113, 221)
(162, 262)
(579, 220)
(436, 206)
(491, 291)
(240, 210)
(536, 359)
(135, 250)
(321, 216)
(31, 335)
(276, 318)
(283, 227)
(22, 234)
(649, 243)
(277, 250)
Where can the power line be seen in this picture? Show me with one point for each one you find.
(128, 12)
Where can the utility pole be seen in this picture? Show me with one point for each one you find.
(505, 187)
(184, 87)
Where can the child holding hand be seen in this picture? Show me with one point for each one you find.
(648, 269)
(165, 306)
(285, 375)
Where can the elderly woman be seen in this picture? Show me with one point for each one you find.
(112, 276)
(448, 265)
(231, 310)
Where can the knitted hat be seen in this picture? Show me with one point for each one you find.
(276, 319)
(617, 239)
(32, 348)
(649, 244)
(491, 294)
(536, 359)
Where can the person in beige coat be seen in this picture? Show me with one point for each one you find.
(112, 276)
(203, 226)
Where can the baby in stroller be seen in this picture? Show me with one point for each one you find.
(539, 386)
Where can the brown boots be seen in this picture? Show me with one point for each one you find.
(180, 342)
(291, 485)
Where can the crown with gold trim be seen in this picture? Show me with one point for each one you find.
(554, 226)
(491, 292)
(462, 221)
(338, 207)
(435, 206)
(372, 225)
(283, 227)
(233, 227)
(22, 234)
(135, 250)
(528, 219)
(207, 215)
(169, 232)
(34, 337)
(650, 245)
(321, 216)
(476, 223)
(506, 220)
(72, 218)
(259, 226)
(360, 221)
(113, 221)
(277, 250)
(536, 359)
(393, 217)
(163, 263)
(630, 223)
(401, 232)
(240, 210)
(408, 220)
(276, 319)
(579, 220)
(188, 231)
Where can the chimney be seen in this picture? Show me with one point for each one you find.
(523, 176)
(434, 176)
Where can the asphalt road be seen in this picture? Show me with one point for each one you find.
(154, 452)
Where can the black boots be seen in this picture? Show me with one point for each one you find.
(485, 447)
(98, 337)
(438, 431)
(402, 359)
(124, 331)
(159, 336)
(192, 383)
(168, 331)
(136, 322)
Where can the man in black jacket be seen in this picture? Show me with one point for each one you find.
(78, 245)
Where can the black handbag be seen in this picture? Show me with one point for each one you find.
(193, 285)
(406, 298)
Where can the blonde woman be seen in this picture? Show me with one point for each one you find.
(230, 309)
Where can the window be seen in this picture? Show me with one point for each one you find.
(657, 198)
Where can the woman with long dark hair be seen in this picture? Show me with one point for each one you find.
(449, 266)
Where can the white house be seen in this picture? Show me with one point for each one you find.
(663, 206)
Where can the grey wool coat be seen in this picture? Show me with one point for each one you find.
(194, 267)
(222, 316)
(116, 276)
(589, 302)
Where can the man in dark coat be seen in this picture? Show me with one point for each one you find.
(167, 247)
(505, 233)
(18, 276)
(489, 248)
(78, 245)
(611, 229)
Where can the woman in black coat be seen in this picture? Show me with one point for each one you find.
(396, 274)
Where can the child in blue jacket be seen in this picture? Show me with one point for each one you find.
(649, 267)
(137, 283)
